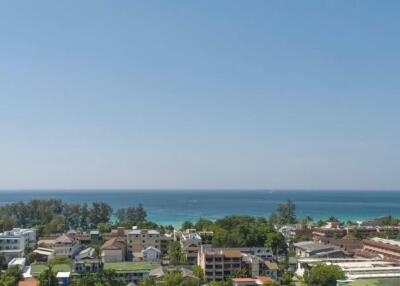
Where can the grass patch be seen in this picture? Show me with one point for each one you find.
(37, 269)
(376, 282)
(128, 266)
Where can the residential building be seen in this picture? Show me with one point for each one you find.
(44, 254)
(151, 254)
(17, 262)
(387, 249)
(87, 253)
(66, 246)
(260, 280)
(165, 242)
(87, 265)
(219, 263)
(63, 278)
(13, 242)
(315, 249)
(138, 240)
(113, 250)
(131, 271)
(190, 242)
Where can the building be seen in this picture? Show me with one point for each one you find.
(66, 246)
(387, 249)
(257, 266)
(63, 278)
(151, 254)
(29, 282)
(165, 242)
(17, 262)
(190, 242)
(13, 242)
(314, 249)
(87, 266)
(87, 253)
(219, 263)
(131, 271)
(348, 245)
(354, 268)
(113, 250)
(260, 280)
(138, 240)
(44, 254)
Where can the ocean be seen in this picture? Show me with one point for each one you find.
(174, 207)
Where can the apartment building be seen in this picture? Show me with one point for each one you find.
(190, 242)
(113, 250)
(140, 239)
(387, 249)
(219, 263)
(13, 242)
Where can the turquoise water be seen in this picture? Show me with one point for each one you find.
(174, 207)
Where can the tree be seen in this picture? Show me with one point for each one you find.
(198, 273)
(56, 225)
(47, 277)
(84, 216)
(11, 277)
(104, 227)
(176, 256)
(287, 278)
(99, 212)
(286, 212)
(323, 275)
(203, 225)
(271, 283)
(187, 225)
(147, 282)
(276, 241)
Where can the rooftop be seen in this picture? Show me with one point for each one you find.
(142, 266)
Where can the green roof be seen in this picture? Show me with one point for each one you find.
(376, 282)
(37, 269)
(128, 266)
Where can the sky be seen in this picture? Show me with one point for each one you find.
(200, 95)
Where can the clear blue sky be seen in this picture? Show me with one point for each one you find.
(200, 94)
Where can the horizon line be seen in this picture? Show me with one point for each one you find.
(104, 190)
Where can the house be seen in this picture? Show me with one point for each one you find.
(151, 254)
(138, 240)
(257, 266)
(87, 265)
(63, 278)
(190, 242)
(87, 253)
(13, 242)
(17, 262)
(94, 235)
(29, 282)
(260, 280)
(314, 249)
(113, 250)
(66, 246)
(44, 254)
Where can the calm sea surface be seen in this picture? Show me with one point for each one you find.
(174, 207)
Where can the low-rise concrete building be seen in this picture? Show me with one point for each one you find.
(388, 249)
(315, 249)
(66, 246)
(138, 240)
(113, 250)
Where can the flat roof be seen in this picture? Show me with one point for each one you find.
(142, 266)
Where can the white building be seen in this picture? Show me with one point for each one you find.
(13, 242)
(151, 254)
(66, 246)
